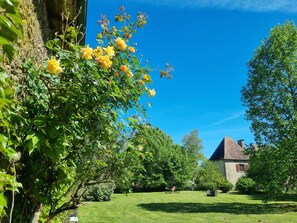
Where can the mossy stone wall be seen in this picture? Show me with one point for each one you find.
(41, 20)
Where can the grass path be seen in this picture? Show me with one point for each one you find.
(187, 207)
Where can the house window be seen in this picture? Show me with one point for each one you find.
(241, 167)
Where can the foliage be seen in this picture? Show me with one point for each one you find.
(99, 192)
(245, 185)
(208, 176)
(193, 145)
(225, 185)
(68, 127)
(270, 95)
(10, 26)
(168, 165)
(10, 136)
(263, 162)
(10, 31)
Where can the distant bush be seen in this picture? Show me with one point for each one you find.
(208, 176)
(100, 192)
(245, 185)
(225, 186)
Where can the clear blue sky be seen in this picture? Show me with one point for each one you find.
(208, 43)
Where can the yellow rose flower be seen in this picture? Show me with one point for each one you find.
(141, 82)
(86, 53)
(121, 44)
(152, 92)
(53, 66)
(98, 52)
(109, 51)
(132, 49)
(104, 61)
(145, 78)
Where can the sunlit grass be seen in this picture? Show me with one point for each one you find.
(187, 207)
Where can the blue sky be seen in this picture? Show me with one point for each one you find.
(209, 43)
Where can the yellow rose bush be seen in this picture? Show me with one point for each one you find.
(72, 107)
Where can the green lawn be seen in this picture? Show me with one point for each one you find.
(187, 207)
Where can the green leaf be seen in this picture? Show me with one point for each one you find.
(3, 142)
(9, 50)
(9, 2)
(8, 29)
(17, 21)
(30, 136)
(35, 140)
(3, 41)
(32, 143)
(3, 203)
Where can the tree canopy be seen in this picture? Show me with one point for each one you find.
(193, 145)
(271, 96)
(168, 164)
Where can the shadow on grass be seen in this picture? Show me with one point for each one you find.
(282, 197)
(231, 208)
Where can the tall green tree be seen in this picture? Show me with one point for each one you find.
(168, 164)
(271, 98)
(193, 145)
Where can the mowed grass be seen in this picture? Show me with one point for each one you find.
(187, 207)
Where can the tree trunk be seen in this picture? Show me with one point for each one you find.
(36, 215)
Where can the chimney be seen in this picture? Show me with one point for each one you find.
(241, 143)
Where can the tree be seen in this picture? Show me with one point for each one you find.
(168, 165)
(193, 145)
(271, 98)
(269, 169)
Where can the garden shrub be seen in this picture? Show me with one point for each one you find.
(245, 185)
(208, 176)
(225, 186)
(100, 192)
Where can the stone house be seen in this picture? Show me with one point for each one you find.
(230, 159)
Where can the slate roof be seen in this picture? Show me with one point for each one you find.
(229, 150)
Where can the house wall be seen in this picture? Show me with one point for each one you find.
(232, 173)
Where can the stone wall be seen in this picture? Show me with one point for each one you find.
(231, 173)
(35, 32)
(41, 19)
